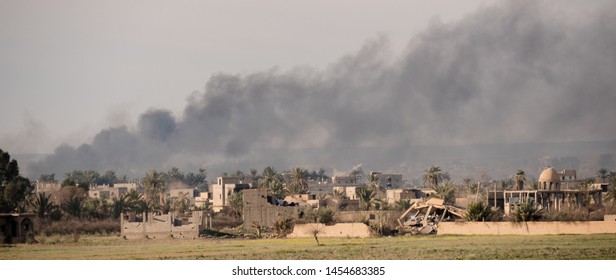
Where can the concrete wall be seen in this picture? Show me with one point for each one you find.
(163, 227)
(359, 216)
(337, 230)
(258, 210)
(529, 228)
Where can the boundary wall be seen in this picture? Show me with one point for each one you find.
(608, 225)
(337, 230)
(163, 226)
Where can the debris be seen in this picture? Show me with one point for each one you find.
(423, 217)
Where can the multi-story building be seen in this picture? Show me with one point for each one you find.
(224, 187)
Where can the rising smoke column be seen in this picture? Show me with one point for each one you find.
(515, 72)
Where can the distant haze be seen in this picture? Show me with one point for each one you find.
(511, 73)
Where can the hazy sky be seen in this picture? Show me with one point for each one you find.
(71, 68)
(227, 85)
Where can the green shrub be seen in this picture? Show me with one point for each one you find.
(283, 226)
(326, 216)
(526, 212)
(478, 211)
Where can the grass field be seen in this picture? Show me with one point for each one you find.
(434, 247)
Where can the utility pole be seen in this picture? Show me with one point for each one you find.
(494, 195)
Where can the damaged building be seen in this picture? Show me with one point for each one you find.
(162, 226)
(424, 217)
(263, 210)
(550, 196)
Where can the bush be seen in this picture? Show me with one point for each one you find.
(478, 211)
(326, 216)
(284, 226)
(79, 226)
(526, 212)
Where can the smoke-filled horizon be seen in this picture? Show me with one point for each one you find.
(514, 72)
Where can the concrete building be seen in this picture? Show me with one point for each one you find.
(224, 187)
(350, 192)
(110, 192)
(263, 210)
(394, 195)
(345, 180)
(14, 227)
(388, 181)
(550, 196)
(187, 193)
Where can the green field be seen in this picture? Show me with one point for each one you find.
(434, 247)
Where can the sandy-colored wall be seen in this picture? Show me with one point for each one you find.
(337, 230)
(161, 227)
(529, 228)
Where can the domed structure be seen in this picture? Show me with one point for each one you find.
(549, 180)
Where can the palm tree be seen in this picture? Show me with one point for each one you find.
(276, 189)
(527, 212)
(366, 197)
(402, 204)
(236, 204)
(321, 175)
(434, 175)
(603, 174)
(175, 175)
(181, 203)
(118, 205)
(374, 183)
(356, 173)
(269, 175)
(520, 179)
(154, 186)
(42, 205)
(298, 183)
(73, 206)
(339, 194)
(446, 192)
(478, 211)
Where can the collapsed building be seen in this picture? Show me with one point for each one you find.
(424, 217)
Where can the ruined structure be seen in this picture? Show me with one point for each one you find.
(162, 226)
(424, 217)
(14, 227)
(263, 210)
(224, 187)
(549, 195)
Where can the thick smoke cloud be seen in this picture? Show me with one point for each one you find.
(515, 72)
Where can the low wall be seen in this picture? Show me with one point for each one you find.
(337, 230)
(162, 227)
(529, 228)
(357, 216)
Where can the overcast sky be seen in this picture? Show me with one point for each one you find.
(71, 68)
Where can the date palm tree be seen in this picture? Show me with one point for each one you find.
(366, 197)
(155, 186)
(42, 204)
(434, 175)
(446, 192)
(402, 204)
(298, 183)
(603, 174)
(269, 175)
(373, 182)
(235, 202)
(321, 175)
